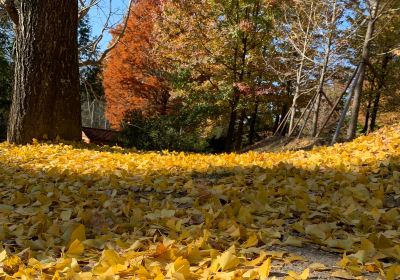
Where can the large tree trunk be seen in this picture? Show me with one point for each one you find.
(46, 98)
(365, 58)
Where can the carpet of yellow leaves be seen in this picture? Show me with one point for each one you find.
(69, 212)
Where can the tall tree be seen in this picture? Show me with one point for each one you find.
(132, 77)
(331, 15)
(220, 43)
(299, 29)
(383, 68)
(46, 97)
(373, 13)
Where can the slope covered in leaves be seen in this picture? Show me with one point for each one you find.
(76, 213)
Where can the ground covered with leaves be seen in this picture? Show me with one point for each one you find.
(70, 212)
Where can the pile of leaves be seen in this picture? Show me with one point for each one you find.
(70, 212)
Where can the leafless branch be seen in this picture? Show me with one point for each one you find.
(93, 45)
(11, 9)
(85, 8)
(115, 41)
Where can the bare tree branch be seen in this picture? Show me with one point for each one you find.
(85, 8)
(11, 9)
(93, 45)
(114, 43)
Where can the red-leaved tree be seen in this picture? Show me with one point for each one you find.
(132, 78)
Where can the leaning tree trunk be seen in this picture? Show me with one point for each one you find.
(351, 133)
(46, 98)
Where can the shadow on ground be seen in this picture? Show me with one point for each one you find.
(39, 206)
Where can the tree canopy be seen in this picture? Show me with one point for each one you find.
(245, 69)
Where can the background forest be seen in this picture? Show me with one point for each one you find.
(222, 75)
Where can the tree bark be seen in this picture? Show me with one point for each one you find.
(285, 110)
(231, 127)
(282, 128)
(369, 105)
(253, 122)
(374, 112)
(230, 140)
(46, 98)
(367, 114)
(277, 122)
(316, 115)
(334, 107)
(351, 133)
(239, 133)
(233, 103)
(381, 84)
(346, 108)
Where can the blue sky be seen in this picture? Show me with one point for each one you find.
(98, 16)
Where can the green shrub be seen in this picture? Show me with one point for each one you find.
(162, 132)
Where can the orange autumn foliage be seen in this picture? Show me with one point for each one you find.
(132, 78)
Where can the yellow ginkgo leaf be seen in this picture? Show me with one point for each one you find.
(315, 231)
(3, 255)
(293, 241)
(12, 264)
(393, 272)
(342, 274)
(305, 274)
(318, 267)
(76, 248)
(265, 269)
(142, 273)
(258, 260)
(110, 257)
(251, 241)
(179, 269)
(56, 276)
(78, 233)
(344, 244)
(66, 215)
(302, 276)
(228, 259)
(244, 215)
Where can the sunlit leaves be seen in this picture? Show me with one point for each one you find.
(96, 213)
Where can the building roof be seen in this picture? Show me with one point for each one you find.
(99, 136)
